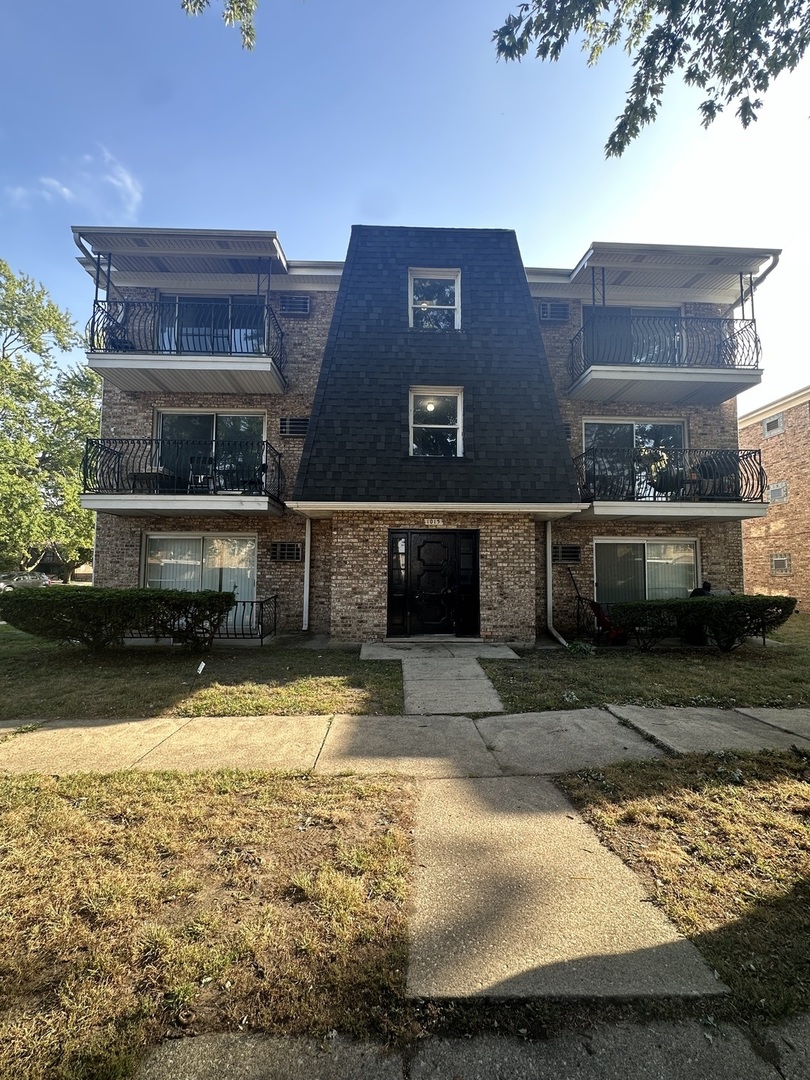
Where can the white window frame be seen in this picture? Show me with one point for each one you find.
(645, 540)
(157, 534)
(443, 274)
(455, 391)
(672, 420)
(157, 424)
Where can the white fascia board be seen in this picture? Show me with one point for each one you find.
(678, 510)
(543, 509)
(789, 401)
(167, 505)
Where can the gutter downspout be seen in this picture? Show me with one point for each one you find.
(549, 598)
(307, 559)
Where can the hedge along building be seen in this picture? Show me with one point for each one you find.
(425, 439)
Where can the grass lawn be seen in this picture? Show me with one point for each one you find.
(40, 680)
(777, 676)
(722, 843)
(137, 906)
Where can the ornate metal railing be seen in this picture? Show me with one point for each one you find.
(172, 327)
(181, 467)
(668, 341)
(251, 619)
(662, 475)
(246, 619)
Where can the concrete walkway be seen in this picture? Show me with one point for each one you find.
(515, 897)
(444, 678)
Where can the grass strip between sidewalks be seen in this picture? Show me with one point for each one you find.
(138, 905)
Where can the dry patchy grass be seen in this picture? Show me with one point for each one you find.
(140, 905)
(43, 681)
(777, 676)
(722, 842)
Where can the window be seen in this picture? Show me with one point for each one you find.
(212, 324)
(285, 551)
(222, 451)
(773, 425)
(434, 299)
(630, 335)
(436, 422)
(644, 569)
(633, 459)
(191, 563)
(778, 493)
(780, 564)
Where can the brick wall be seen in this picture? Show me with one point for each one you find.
(786, 528)
(360, 572)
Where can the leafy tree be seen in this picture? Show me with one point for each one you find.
(45, 415)
(234, 12)
(731, 49)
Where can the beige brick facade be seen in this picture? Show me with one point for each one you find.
(777, 547)
(360, 572)
(348, 594)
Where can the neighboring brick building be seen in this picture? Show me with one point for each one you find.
(427, 439)
(776, 548)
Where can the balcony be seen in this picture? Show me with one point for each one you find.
(663, 359)
(657, 483)
(231, 345)
(181, 476)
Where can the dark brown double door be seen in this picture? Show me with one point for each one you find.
(433, 583)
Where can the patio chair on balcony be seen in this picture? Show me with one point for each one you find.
(201, 474)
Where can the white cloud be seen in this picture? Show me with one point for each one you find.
(49, 188)
(99, 183)
(124, 183)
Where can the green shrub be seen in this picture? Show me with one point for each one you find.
(724, 621)
(101, 618)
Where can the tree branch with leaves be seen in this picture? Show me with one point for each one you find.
(731, 49)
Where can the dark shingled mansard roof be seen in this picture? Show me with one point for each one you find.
(357, 448)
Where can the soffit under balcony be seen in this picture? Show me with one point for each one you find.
(139, 256)
(646, 273)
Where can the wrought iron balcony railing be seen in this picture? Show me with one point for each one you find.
(172, 327)
(665, 340)
(181, 467)
(663, 475)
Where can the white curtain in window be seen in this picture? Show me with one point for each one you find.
(671, 570)
(173, 562)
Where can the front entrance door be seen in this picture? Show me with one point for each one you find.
(433, 583)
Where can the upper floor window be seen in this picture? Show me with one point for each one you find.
(633, 435)
(436, 422)
(434, 298)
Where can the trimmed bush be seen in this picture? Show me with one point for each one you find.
(724, 621)
(101, 618)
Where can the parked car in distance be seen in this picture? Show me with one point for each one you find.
(19, 579)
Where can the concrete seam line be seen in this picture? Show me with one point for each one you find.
(486, 746)
(166, 738)
(656, 740)
(768, 723)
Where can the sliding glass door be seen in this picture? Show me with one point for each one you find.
(644, 570)
(191, 563)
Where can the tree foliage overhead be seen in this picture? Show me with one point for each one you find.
(46, 413)
(731, 49)
(234, 12)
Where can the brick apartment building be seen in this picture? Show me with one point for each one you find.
(426, 439)
(776, 548)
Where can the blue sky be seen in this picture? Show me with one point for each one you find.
(128, 112)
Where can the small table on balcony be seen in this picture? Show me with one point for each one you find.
(147, 480)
